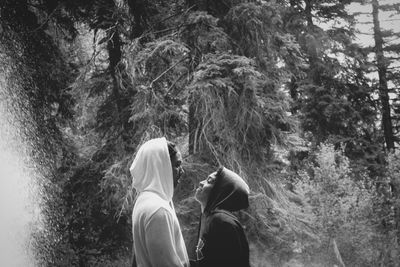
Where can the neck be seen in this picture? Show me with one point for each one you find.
(202, 207)
(202, 203)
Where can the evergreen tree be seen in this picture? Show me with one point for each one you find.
(382, 73)
(330, 91)
(386, 51)
(248, 30)
(237, 108)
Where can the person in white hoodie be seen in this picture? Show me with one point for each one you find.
(157, 237)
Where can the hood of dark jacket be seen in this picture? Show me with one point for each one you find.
(230, 192)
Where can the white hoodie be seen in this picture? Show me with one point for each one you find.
(157, 236)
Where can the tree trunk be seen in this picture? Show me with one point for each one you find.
(307, 10)
(382, 70)
(311, 42)
(138, 12)
(194, 127)
(114, 56)
(338, 257)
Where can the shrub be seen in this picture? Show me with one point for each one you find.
(340, 208)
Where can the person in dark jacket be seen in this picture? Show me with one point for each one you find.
(222, 241)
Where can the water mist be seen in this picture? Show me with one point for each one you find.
(19, 204)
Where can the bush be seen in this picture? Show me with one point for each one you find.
(340, 208)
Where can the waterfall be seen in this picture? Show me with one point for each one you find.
(19, 194)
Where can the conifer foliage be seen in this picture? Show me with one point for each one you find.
(233, 83)
(385, 51)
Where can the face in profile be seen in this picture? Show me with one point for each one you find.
(177, 171)
(204, 189)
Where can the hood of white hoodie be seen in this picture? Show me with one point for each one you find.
(151, 169)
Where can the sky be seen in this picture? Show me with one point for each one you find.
(388, 20)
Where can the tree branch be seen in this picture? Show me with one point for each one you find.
(46, 20)
(162, 74)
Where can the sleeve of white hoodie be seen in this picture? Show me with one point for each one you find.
(161, 241)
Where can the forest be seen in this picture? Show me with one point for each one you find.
(280, 91)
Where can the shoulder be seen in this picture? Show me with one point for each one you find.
(221, 218)
(161, 213)
(150, 202)
(161, 218)
(149, 207)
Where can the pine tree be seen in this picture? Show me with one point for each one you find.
(382, 73)
(331, 94)
(249, 30)
(386, 51)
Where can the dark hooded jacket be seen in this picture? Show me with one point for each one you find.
(222, 241)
